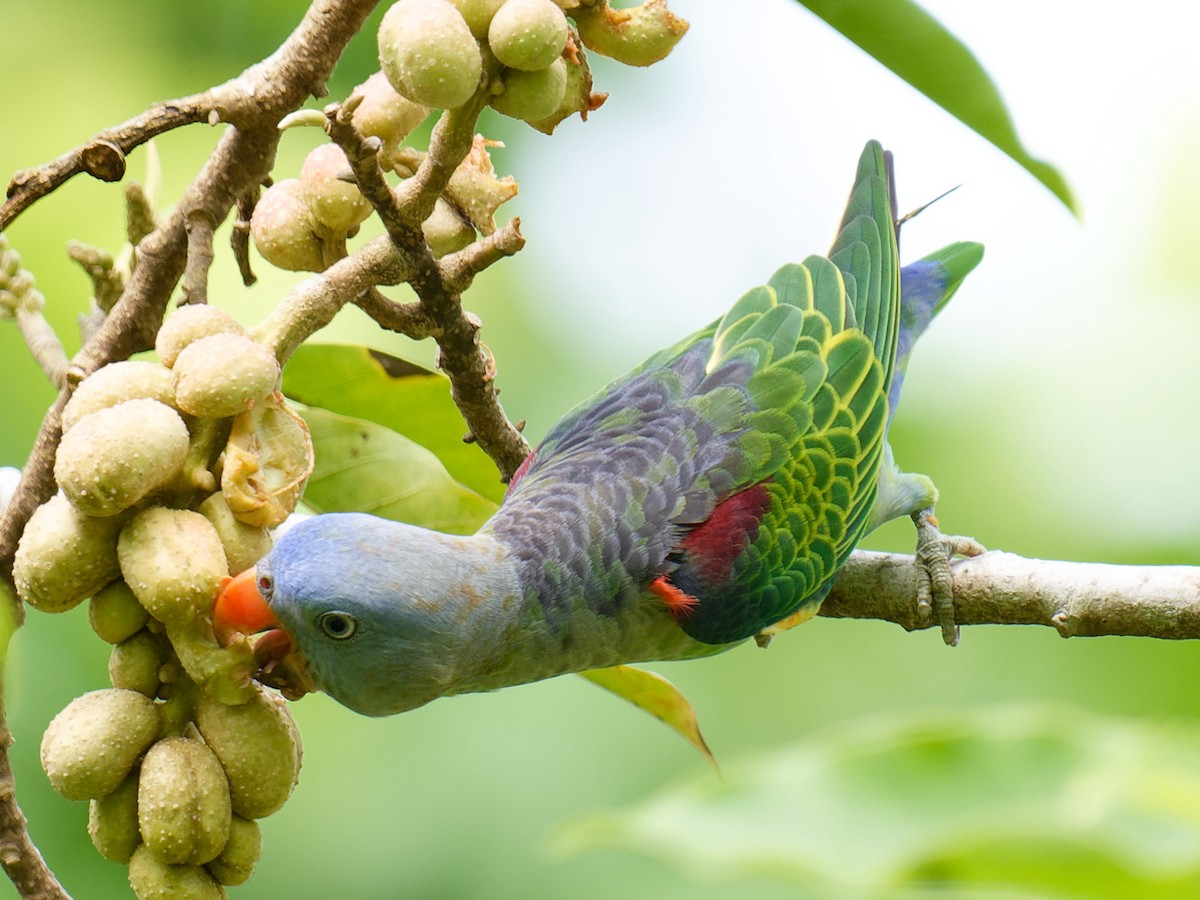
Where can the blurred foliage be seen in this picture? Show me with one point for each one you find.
(1031, 801)
(1035, 453)
(914, 45)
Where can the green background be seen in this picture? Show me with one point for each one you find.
(1054, 405)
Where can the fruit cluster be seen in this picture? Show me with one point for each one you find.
(526, 56)
(170, 474)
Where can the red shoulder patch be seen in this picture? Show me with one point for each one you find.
(719, 540)
(520, 473)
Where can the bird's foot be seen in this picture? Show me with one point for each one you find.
(935, 585)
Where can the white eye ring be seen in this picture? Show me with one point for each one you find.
(338, 625)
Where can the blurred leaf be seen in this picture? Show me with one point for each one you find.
(915, 46)
(652, 693)
(365, 467)
(368, 384)
(1034, 801)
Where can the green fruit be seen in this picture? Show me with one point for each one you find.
(428, 53)
(115, 613)
(283, 229)
(638, 36)
(532, 96)
(63, 556)
(236, 863)
(336, 204)
(114, 457)
(183, 802)
(89, 747)
(477, 14)
(223, 375)
(384, 114)
(578, 96)
(113, 821)
(244, 544)
(173, 561)
(135, 662)
(190, 323)
(259, 746)
(153, 879)
(227, 673)
(116, 383)
(528, 34)
(446, 231)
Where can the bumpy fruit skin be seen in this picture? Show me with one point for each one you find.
(153, 879)
(183, 802)
(113, 822)
(173, 561)
(223, 375)
(226, 673)
(115, 613)
(244, 544)
(639, 36)
(532, 96)
(116, 383)
(190, 323)
(89, 748)
(134, 663)
(528, 34)
(114, 457)
(283, 230)
(428, 53)
(259, 746)
(63, 556)
(236, 863)
(336, 204)
(478, 14)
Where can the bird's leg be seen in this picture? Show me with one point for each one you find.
(935, 584)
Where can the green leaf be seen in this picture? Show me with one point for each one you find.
(1032, 802)
(369, 384)
(365, 467)
(915, 46)
(652, 693)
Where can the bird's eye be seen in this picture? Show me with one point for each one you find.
(265, 583)
(338, 625)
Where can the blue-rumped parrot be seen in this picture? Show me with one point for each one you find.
(709, 496)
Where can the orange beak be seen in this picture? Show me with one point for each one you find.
(241, 609)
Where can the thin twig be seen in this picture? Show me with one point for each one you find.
(200, 226)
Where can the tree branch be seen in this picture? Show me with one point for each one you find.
(996, 588)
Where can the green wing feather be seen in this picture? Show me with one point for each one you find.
(822, 336)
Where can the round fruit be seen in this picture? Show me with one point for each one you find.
(115, 613)
(173, 561)
(89, 747)
(223, 375)
(116, 383)
(283, 230)
(242, 850)
(528, 34)
(336, 204)
(638, 36)
(532, 96)
(134, 663)
(428, 53)
(446, 231)
(114, 457)
(64, 557)
(153, 879)
(190, 323)
(384, 114)
(113, 822)
(259, 746)
(478, 14)
(183, 802)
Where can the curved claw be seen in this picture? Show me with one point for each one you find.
(935, 585)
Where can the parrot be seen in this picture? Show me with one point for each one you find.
(707, 497)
